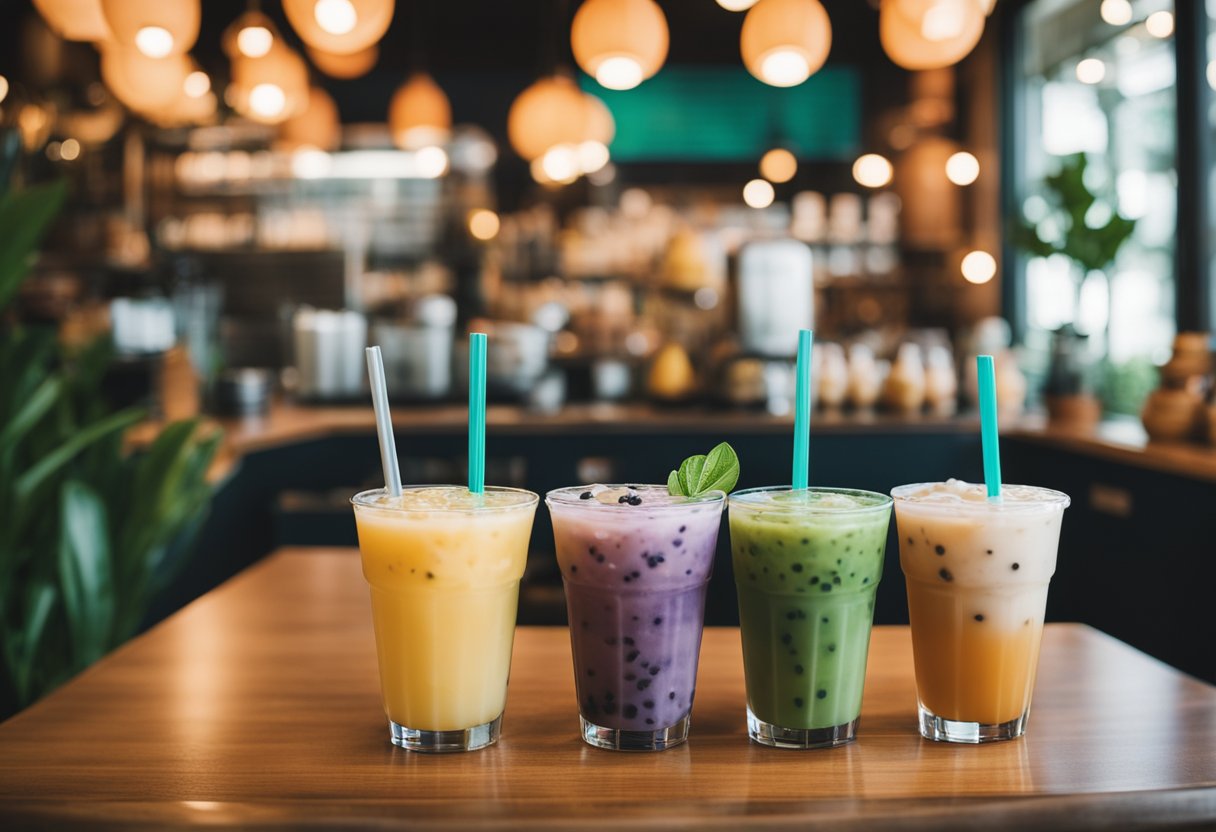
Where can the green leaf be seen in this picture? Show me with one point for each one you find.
(84, 571)
(48, 465)
(690, 473)
(30, 412)
(716, 471)
(24, 217)
(721, 470)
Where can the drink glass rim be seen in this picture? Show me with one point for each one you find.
(568, 497)
(1048, 498)
(363, 500)
(748, 500)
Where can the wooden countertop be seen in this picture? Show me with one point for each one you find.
(1124, 441)
(258, 706)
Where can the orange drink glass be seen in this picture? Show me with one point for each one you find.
(977, 573)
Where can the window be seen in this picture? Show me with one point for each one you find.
(1099, 79)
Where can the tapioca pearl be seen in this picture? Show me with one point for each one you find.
(629, 711)
(643, 683)
(654, 670)
(628, 640)
(831, 648)
(946, 576)
(573, 568)
(796, 567)
(940, 550)
(648, 704)
(671, 695)
(1016, 567)
(786, 638)
(814, 580)
(988, 551)
(683, 529)
(821, 694)
(825, 587)
(678, 542)
(630, 677)
(591, 671)
(979, 616)
(799, 669)
(658, 621)
(798, 703)
(631, 655)
(824, 619)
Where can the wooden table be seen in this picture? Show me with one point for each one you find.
(258, 706)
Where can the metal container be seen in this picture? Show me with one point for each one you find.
(329, 353)
(243, 391)
(776, 296)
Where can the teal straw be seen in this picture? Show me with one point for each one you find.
(477, 412)
(988, 431)
(802, 411)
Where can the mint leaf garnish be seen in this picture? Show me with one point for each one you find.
(716, 471)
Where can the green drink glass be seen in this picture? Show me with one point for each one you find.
(806, 563)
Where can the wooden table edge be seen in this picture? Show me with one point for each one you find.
(1192, 807)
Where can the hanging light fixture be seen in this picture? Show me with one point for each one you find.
(784, 42)
(620, 43)
(318, 126)
(141, 83)
(75, 19)
(929, 34)
(345, 67)
(272, 88)
(548, 113)
(736, 5)
(778, 165)
(339, 27)
(252, 35)
(419, 115)
(157, 28)
(566, 161)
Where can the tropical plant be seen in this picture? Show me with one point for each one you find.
(1089, 231)
(89, 531)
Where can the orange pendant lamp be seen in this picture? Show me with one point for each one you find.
(141, 83)
(345, 67)
(548, 113)
(620, 43)
(419, 114)
(784, 42)
(318, 126)
(930, 34)
(75, 19)
(339, 27)
(270, 89)
(252, 34)
(157, 28)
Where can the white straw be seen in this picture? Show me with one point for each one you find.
(384, 421)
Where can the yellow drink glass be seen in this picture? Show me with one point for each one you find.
(444, 567)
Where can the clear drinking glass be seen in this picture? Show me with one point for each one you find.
(977, 573)
(807, 563)
(635, 577)
(444, 567)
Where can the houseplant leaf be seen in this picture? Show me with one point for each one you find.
(84, 571)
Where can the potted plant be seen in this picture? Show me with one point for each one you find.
(89, 531)
(1092, 247)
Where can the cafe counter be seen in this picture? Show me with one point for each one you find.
(258, 706)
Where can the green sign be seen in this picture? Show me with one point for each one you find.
(723, 114)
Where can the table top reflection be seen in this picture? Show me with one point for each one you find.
(258, 706)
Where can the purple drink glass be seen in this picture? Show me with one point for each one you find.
(635, 577)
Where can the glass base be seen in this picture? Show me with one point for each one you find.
(615, 739)
(775, 736)
(940, 729)
(441, 742)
